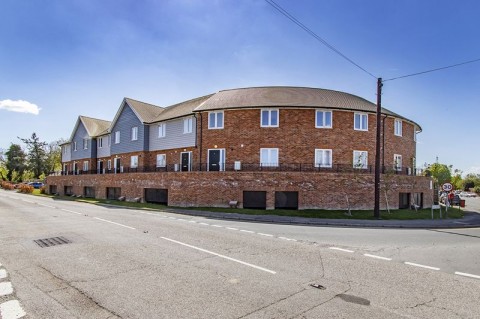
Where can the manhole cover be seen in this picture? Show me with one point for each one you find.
(54, 241)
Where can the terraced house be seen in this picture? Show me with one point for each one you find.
(263, 147)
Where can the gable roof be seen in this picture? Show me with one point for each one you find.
(181, 109)
(143, 111)
(94, 127)
(285, 96)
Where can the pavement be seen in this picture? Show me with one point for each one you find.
(471, 219)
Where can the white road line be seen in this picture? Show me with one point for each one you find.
(377, 257)
(3, 273)
(181, 219)
(262, 234)
(216, 226)
(246, 231)
(108, 221)
(285, 238)
(421, 266)
(70, 211)
(231, 228)
(28, 201)
(467, 275)
(11, 310)
(192, 221)
(221, 256)
(5, 288)
(47, 206)
(341, 249)
(172, 217)
(204, 224)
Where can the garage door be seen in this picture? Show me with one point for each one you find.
(255, 199)
(156, 195)
(286, 200)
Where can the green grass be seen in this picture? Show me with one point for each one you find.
(395, 214)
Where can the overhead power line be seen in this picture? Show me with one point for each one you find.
(316, 36)
(432, 70)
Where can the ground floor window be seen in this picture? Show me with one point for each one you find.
(134, 161)
(85, 166)
(323, 158)
(269, 157)
(360, 159)
(161, 160)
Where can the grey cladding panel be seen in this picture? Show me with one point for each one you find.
(124, 124)
(78, 137)
(174, 136)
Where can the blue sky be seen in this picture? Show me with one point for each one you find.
(64, 58)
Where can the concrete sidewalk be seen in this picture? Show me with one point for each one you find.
(470, 220)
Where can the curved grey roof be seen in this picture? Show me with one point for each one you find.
(284, 96)
(180, 109)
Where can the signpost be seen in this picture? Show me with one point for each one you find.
(447, 187)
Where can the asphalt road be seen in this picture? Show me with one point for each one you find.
(124, 263)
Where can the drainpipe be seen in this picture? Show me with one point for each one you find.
(201, 140)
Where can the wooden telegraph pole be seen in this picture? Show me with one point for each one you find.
(376, 211)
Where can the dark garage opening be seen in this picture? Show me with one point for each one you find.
(255, 199)
(89, 192)
(113, 192)
(68, 190)
(52, 189)
(156, 196)
(286, 200)
(403, 200)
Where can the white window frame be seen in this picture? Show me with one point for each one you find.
(188, 125)
(322, 114)
(134, 161)
(100, 142)
(269, 162)
(360, 127)
(397, 162)
(162, 130)
(85, 143)
(74, 146)
(398, 127)
(268, 113)
(213, 124)
(360, 164)
(117, 137)
(85, 166)
(321, 155)
(134, 133)
(163, 162)
(109, 164)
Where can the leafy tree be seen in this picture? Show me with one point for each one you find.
(15, 160)
(36, 154)
(440, 172)
(457, 180)
(54, 156)
(471, 181)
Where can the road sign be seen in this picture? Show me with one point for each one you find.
(447, 187)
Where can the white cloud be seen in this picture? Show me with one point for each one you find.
(19, 106)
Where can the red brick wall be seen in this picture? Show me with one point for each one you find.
(316, 190)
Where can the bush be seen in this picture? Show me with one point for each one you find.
(43, 190)
(24, 188)
(7, 185)
(476, 189)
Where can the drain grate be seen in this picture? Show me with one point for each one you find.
(54, 241)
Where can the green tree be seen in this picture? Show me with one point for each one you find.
(440, 172)
(457, 180)
(471, 181)
(37, 156)
(54, 156)
(15, 160)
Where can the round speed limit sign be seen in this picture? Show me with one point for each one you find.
(447, 187)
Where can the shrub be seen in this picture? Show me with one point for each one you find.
(24, 188)
(7, 185)
(476, 189)
(43, 190)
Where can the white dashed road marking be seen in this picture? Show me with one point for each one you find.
(218, 226)
(70, 211)
(377, 257)
(221, 256)
(231, 228)
(246, 231)
(5, 288)
(204, 224)
(11, 310)
(3, 273)
(285, 238)
(109, 221)
(421, 266)
(341, 249)
(46, 205)
(466, 275)
(262, 234)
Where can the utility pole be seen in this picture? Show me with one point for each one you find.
(376, 211)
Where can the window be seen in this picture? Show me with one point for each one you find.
(134, 161)
(100, 142)
(360, 159)
(323, 119)
(269, 118)
(85, 166)
(134, 133)
(161, 160)
(361, 122)
(215, 120)
(398, 127)
(117, 137)
(109, 164)
(187, 125)
(323, 158)
(161, 130)
(85, 143)
(65, 150)
(269, 157)
(397, 162)
(74, 146)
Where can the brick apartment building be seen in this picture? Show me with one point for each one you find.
(264, 147)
